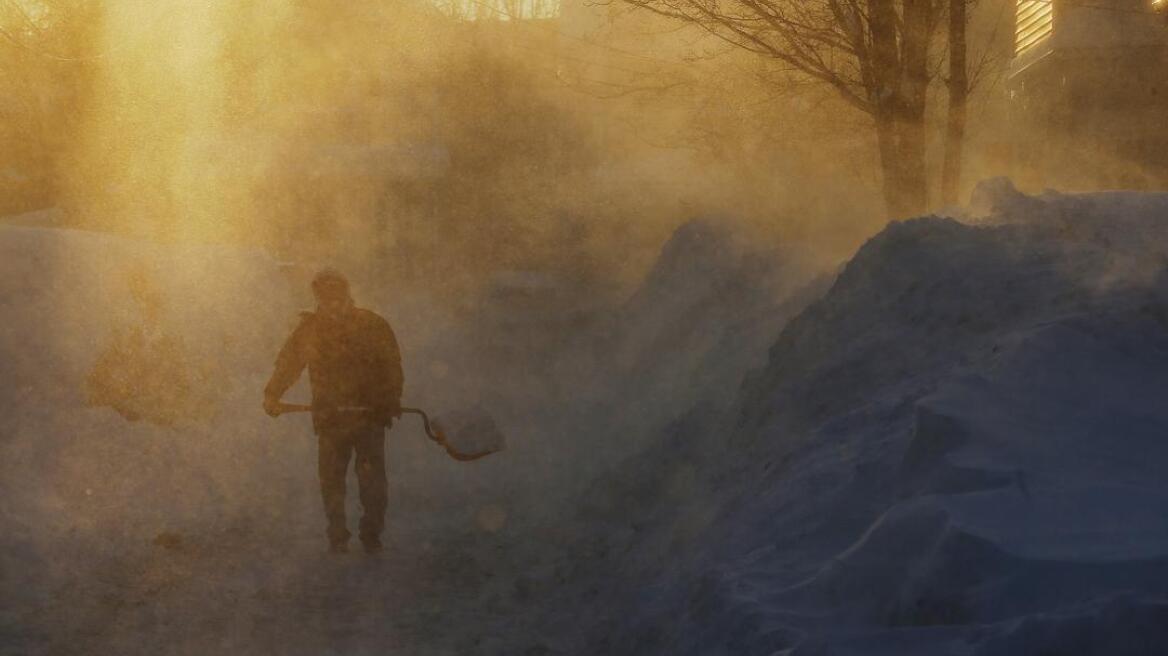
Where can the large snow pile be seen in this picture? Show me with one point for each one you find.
(705, 313)
(958, 449)
(581, 375)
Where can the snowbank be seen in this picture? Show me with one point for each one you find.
(958, 449)
(581, 378)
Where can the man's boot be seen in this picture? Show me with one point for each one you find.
(372, 545)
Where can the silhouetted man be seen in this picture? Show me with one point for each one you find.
(354, 367)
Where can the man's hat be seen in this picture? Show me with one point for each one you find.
(330, 283)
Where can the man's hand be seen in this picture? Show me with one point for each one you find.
(272, 406)
(389, 411)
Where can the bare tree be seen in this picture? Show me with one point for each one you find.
(959, 88)
(873, 53)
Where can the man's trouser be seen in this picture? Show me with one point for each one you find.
(336, 447)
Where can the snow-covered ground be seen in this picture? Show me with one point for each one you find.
(956, 445)
(206, 536)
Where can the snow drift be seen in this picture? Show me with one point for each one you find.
(957, 449)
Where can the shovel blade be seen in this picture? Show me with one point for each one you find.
(470, 434)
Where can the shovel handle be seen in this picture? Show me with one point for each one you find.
(431, 431)
(435, 433)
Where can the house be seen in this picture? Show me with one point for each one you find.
(1088, 89)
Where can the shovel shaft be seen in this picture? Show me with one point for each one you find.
(431, 431)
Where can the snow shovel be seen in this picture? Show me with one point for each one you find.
(475, 434)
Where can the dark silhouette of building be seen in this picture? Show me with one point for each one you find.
(1088, 86)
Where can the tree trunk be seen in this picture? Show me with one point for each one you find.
(890, 175)
(900, 80)
(914, 179)
(888, 91)
(958, 101)
(916, 38)
(901, 141)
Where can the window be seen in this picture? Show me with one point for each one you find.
(1035, 21)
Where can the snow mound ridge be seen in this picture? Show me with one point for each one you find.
(706, 310)
(957, 449)
(927, 293)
